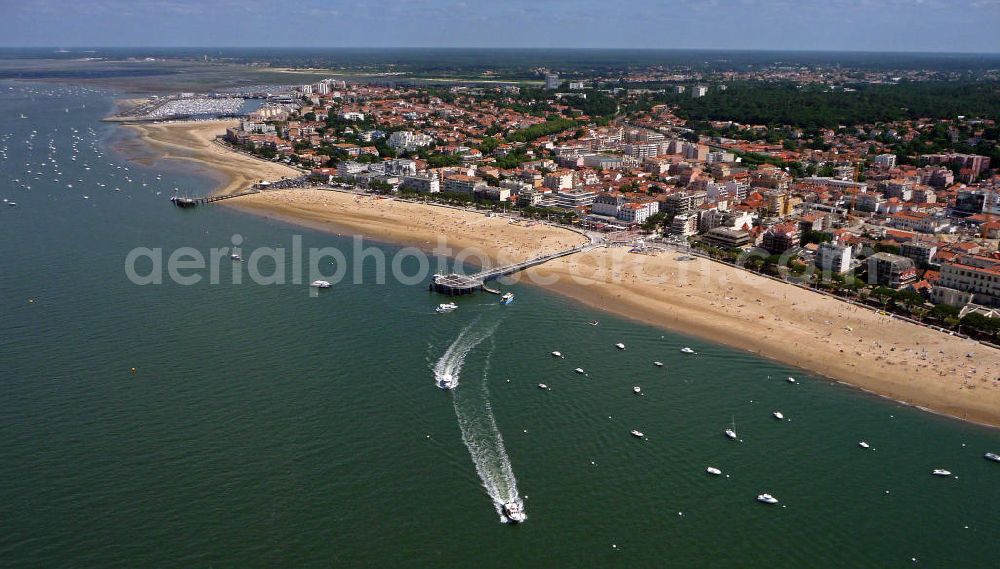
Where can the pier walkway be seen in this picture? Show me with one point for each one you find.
(296, 182)
(452, 284)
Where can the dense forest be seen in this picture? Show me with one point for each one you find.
(821, 107)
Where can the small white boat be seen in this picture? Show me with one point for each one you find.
(445, 307)
(236, 257)
(863, 444)
(992, 456)
(542, 386)
(686, 350)
(778, 415)
(620, 346)
(579, 370)
(557, 354)
(320, 284)
(658, 364)
(731, 431)
(713, 471)
(447, 381)
(514, 511)
(790, 379)
(636, 390)
(507, 298)
(636, 433)
(594, 323)
(767, 499)
(941, 472)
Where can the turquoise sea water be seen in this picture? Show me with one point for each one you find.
(268, 428)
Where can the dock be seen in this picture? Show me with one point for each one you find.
(455, 284)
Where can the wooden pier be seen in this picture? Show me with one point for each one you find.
(256, 188)
(456, 284)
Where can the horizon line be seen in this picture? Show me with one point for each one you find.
(532, 48)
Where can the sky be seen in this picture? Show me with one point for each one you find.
(834, 25)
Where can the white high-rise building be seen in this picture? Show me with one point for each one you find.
(552, 81)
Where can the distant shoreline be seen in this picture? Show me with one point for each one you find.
(709, 300)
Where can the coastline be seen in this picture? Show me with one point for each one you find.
(712, 301)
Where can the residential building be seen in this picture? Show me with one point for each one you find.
(782, 237)
(921, 253)
(834, 257)
(699, 91)
(727, 237)
(894, 271)
(969, 278)
(423, 183)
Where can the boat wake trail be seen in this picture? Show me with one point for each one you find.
(475, 418)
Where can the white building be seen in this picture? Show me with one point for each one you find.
(407, 140)
(699, 91)
(885, 160)
(969, 278)
(552, 81)
(425, 183)
(834, 257)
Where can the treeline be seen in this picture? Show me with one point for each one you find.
(815, 106)
(550, 126)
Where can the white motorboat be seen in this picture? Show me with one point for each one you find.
(620, 346)
(445, 307)
(636, 433)
(542, 386)
(778, 415)
(941, 472)
(236, 257)
(767, 499)
(992, 456)
(579, 370)
(636, 390)
(514, 511)
(447, 381)
(713, 471)
(557, 354)
(686, 350)
(320, 284)
(863, 444)
(658, 364)
(594, 323)
(790, 379)
(507, 298)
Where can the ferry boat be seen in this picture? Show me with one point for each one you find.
(507, 298)
(514, 511)
(320, 284)
(445, 307)
(447, 381)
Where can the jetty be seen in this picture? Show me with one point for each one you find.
(458, 284)
(296, 182)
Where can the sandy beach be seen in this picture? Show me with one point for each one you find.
(709, 300)
(195, 142)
